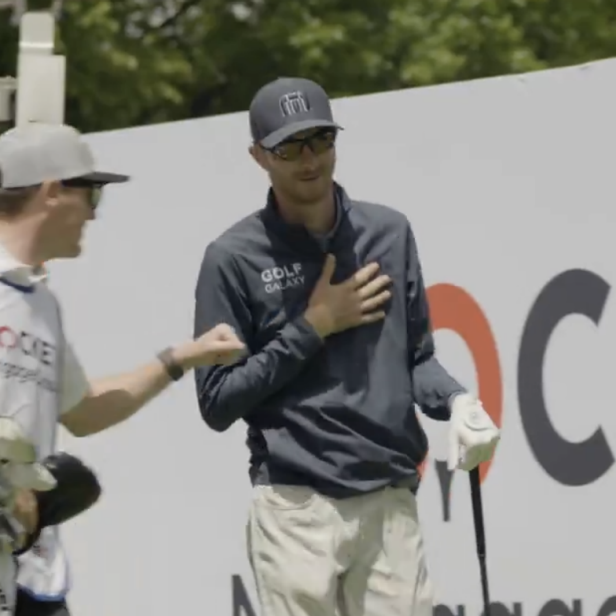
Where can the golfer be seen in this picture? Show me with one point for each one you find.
(49, 191)
(328, 296)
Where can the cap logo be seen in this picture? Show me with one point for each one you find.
(293, 103)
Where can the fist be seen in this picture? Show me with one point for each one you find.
(220, 345)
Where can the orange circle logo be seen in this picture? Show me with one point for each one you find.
(453, 308)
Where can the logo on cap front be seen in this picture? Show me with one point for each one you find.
(292, 103)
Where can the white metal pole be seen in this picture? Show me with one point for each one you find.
(41, 74)
(8, 85)
(38, 92)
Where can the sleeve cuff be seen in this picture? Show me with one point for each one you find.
(453, 396)
(303, 339)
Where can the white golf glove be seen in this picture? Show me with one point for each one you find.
(473, 436)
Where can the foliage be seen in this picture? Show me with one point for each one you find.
(134, 62)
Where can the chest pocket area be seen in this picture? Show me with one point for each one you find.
(392, 262)
(282, 296)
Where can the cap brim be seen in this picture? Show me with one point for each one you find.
(285, 132)
(102, 177)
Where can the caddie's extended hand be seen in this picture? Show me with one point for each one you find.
(219, 345)
(473, 436)
(356, 301)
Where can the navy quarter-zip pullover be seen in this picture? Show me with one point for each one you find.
(337, 415)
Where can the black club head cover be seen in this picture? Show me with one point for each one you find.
(76, 491)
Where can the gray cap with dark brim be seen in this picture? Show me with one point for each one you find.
(288, 106)
(35, 153)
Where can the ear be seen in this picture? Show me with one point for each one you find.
(50, 191)
(259, 155)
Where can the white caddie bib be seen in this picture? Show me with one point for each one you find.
(31, 363)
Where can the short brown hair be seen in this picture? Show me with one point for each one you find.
(14, 200)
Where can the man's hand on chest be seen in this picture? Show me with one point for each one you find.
(359, 300)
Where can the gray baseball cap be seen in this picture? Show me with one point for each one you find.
(287, 106)
(35, 153)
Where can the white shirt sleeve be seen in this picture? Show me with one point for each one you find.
(75, 385)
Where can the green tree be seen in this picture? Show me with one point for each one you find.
(133, 62)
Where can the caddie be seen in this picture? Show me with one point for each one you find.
(50, 189)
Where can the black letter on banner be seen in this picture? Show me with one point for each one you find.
(608, 607)
(241, 602)
(571, 464)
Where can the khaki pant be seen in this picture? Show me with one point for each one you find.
(316, 556)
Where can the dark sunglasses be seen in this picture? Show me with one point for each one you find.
(95, 191)
(319, 142)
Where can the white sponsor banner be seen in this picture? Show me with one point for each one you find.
(509, 184)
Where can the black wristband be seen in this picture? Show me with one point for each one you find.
(174, 370)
